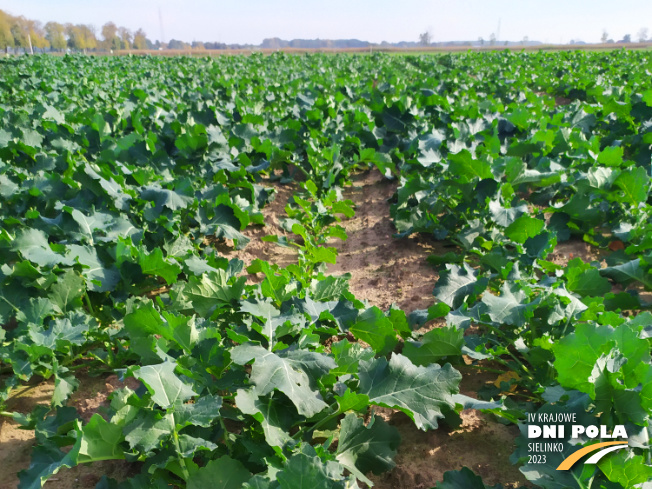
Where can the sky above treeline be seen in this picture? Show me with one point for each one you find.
(251, 21)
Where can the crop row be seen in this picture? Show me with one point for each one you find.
(116, 189)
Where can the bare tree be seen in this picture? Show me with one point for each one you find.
(425, 38)
(604, 37)
(481, 41)
(627, 38)
(642, 34)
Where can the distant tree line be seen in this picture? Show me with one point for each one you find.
(627, 38)
(277, 43)
(177, 44)
(20, 33)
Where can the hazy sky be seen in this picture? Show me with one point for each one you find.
(250, 21)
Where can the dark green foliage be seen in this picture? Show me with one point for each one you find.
(116, 193)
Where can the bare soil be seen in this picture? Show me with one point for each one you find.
(273, 213)
(567, 250)
(481, 444)
(384, 270)
(440, 49)
(16, 443)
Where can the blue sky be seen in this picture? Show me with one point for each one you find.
(250, 21)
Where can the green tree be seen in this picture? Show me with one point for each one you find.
(19, 32)
(37, 34)
(81, 37)
(140, 39)
(55, 33)
(89, 36)
(6, 37)
(425, 38)
(176, 44)
(642, 34)
(110, 36)
(125, 36)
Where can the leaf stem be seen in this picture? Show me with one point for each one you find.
(501, 334)
(227, 442)
(319, 423)
(110, 354)
(182, 461)
(89, 304)
(579, 482)
(563, 333)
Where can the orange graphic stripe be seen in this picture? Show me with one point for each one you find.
(575, 456)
